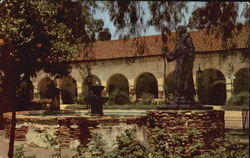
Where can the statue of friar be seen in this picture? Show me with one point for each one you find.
(184, 54)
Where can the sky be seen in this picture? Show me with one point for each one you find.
(150, 30)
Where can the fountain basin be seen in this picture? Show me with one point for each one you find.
(95, 99)
(96, 104)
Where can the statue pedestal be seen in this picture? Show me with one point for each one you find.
(207, 125)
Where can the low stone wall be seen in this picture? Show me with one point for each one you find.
(70, 131)
(81, 128)
(20, 133)
(208, 123)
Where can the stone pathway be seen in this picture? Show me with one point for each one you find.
(233, 120)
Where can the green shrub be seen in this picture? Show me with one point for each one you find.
(20, 153)
(188, 145)
(53, 143)
(119, 97)
(158, 147)
(227, 148)
(36, 95)
(24, 95)
(96, 145)
(165, 144)
(68, 90)
(170, 96)
(81, 99)
(67, 97)
(80, 151)
(147, 98)
(129, 147)
(241, 99)
(46, 88)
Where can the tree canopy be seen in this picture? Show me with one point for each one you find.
(41, 32)
(217, 18)
(40, 35)
(48, 31)
(168, 14)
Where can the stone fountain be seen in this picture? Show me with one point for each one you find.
(96, 100)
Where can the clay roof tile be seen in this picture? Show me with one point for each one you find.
(151, 45)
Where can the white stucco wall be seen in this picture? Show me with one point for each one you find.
(133, 68)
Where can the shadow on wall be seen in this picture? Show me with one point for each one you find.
(68, 90)
(45, 88)
(241, 82)
(146, 83)
(118, 81)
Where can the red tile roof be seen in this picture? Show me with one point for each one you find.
(151, 45)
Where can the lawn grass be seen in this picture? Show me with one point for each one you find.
(141, 107)
(148, 107)
(235, 108)
(76, 106)
(125, 107)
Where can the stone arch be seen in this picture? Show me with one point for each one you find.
(146, 83)
(212, 89)
(68, 88)
(45, 88)
(118, 81)
(95, 81)
(241, 81)
(169, 84)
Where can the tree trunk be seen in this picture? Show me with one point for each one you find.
(12, 134)
(14, 85)
(164, 77)
(13, 81)
(1, 121)
(164, 45)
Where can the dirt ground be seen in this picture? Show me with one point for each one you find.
(29, 151)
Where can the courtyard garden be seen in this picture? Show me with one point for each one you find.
(234, 144)
(124, 79)
(128, 146)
